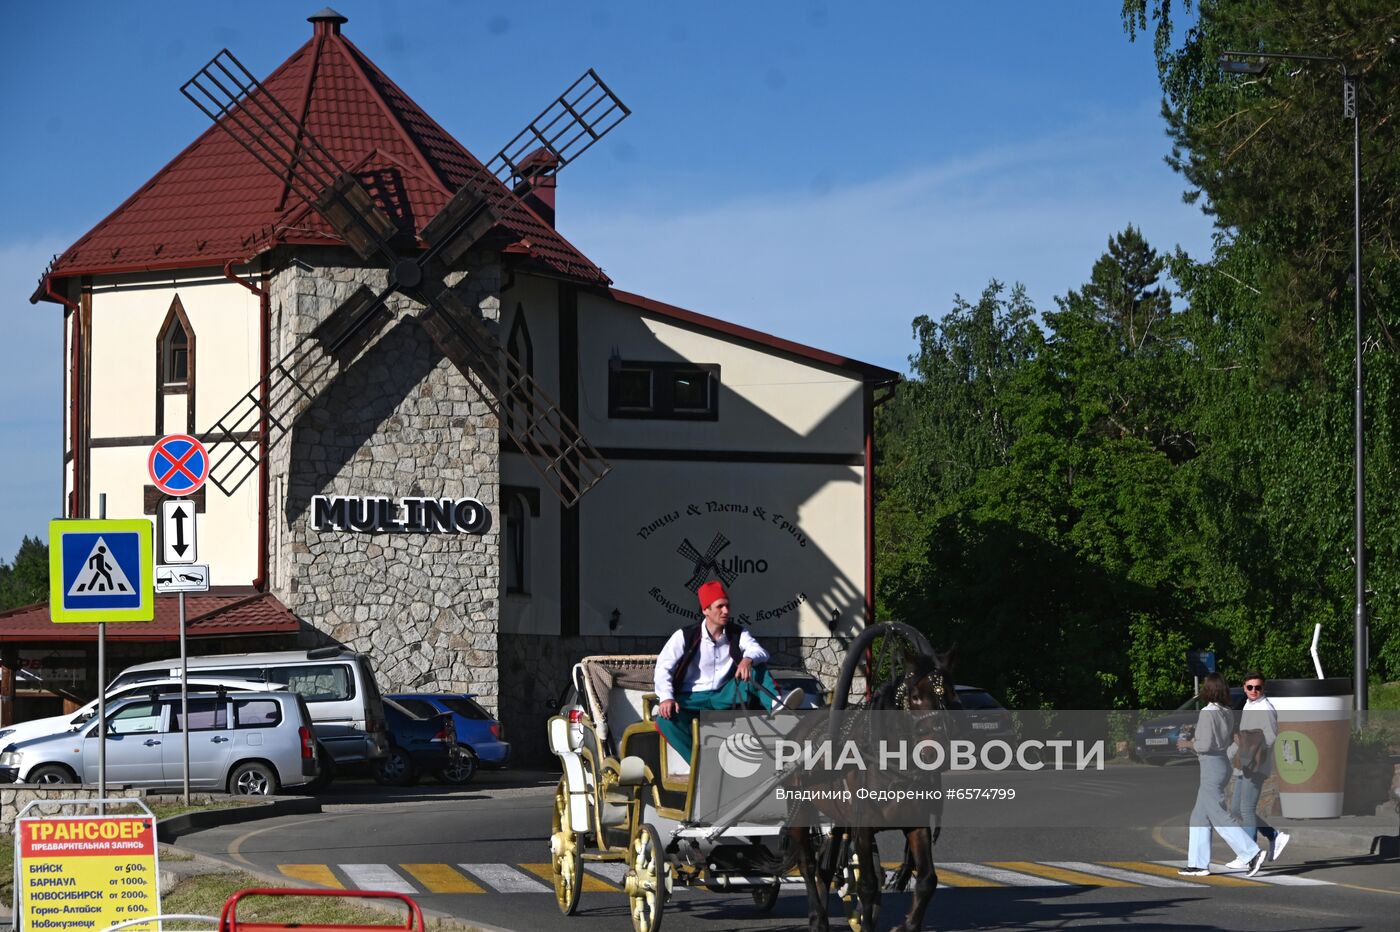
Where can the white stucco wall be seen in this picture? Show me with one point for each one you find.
(127, 313)
(790, 535)
(767, 401)
(796, 530)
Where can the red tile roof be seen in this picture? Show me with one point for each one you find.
(226, 612)
(215, 202)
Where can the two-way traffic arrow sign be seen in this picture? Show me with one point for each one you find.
(177, 531)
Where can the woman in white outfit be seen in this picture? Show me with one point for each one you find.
(1215, 729)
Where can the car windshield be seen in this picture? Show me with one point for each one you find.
(977, 700)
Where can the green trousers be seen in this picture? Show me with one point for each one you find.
(734, 694)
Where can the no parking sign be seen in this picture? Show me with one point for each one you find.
(178, 464)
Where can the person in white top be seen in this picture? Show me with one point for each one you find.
(1258, 715)
(1210, 738)
(713, 665)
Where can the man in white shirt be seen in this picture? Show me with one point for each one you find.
(713, 665)
(1259, 714)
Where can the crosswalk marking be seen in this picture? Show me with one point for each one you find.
(591, 884)
(607, 876)
(441, 878)
(1135, 877)
(1002, 876)
(1075, 877)
(1280, 880)
(319, 874)
(376, 877)
(1170, 870)
(505, 879)
(951, 878)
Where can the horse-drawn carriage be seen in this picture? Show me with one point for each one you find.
(626, 796)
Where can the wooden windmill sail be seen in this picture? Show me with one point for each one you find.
(240, 105)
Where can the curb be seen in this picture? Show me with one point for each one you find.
(167, 830)
(1357, 840)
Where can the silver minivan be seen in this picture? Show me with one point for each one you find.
(70, 721)
(246, 743)
(337, 684)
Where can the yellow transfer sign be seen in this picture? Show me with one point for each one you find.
(85, 873)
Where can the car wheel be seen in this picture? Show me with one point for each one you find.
(252, 779)
(51, 773)
(396, 770)
(461, 768)
(325, 776)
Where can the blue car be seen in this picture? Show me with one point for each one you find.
(478, 734)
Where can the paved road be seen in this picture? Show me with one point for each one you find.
(481, 854)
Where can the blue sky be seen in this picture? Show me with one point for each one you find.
(821, 171)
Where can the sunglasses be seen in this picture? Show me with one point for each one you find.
(1254, 689)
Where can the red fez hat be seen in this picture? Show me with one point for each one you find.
(711, 592)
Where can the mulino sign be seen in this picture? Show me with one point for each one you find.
(404, 515)
(728, 541)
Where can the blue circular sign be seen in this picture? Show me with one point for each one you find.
(178, 464)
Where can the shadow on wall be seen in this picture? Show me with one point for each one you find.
(723, 498)
(360, 404)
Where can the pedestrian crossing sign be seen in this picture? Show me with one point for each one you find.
(101, 571)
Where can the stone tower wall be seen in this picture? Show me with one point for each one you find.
(397, 419)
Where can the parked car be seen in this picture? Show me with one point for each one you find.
(337, 684)
(479, 735)
(982, 717)
(419, 743)
(246, 743)
(71, 721)
(1156, 739)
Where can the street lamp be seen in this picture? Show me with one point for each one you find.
(1255, 63)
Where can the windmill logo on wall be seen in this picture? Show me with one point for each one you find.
(240, 105)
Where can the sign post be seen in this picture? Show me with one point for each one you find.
(1200, 663)
(101, 571)
(178, 465)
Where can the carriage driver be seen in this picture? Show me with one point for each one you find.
(713, 665)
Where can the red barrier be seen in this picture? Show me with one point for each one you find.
(228, 919)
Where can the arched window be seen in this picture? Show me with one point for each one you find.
(175, 371)
(518, 505)
(519, 344)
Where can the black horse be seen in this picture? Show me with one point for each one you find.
(920, 684)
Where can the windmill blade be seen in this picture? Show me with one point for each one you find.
(553, 444)
(586, 112)
(294, 381)
(240, 105)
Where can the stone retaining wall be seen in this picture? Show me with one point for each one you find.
(16, 796)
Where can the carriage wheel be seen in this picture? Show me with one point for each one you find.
(566, 853)
(646, 880)
(765, 897)
(848, 886)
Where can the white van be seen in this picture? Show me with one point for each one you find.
(337, 684)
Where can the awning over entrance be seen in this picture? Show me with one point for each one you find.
(227, 611)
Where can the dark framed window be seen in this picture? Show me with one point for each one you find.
(175, 366)
(663, 390)
(518, 505)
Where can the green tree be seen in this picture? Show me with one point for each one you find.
(27, 579)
